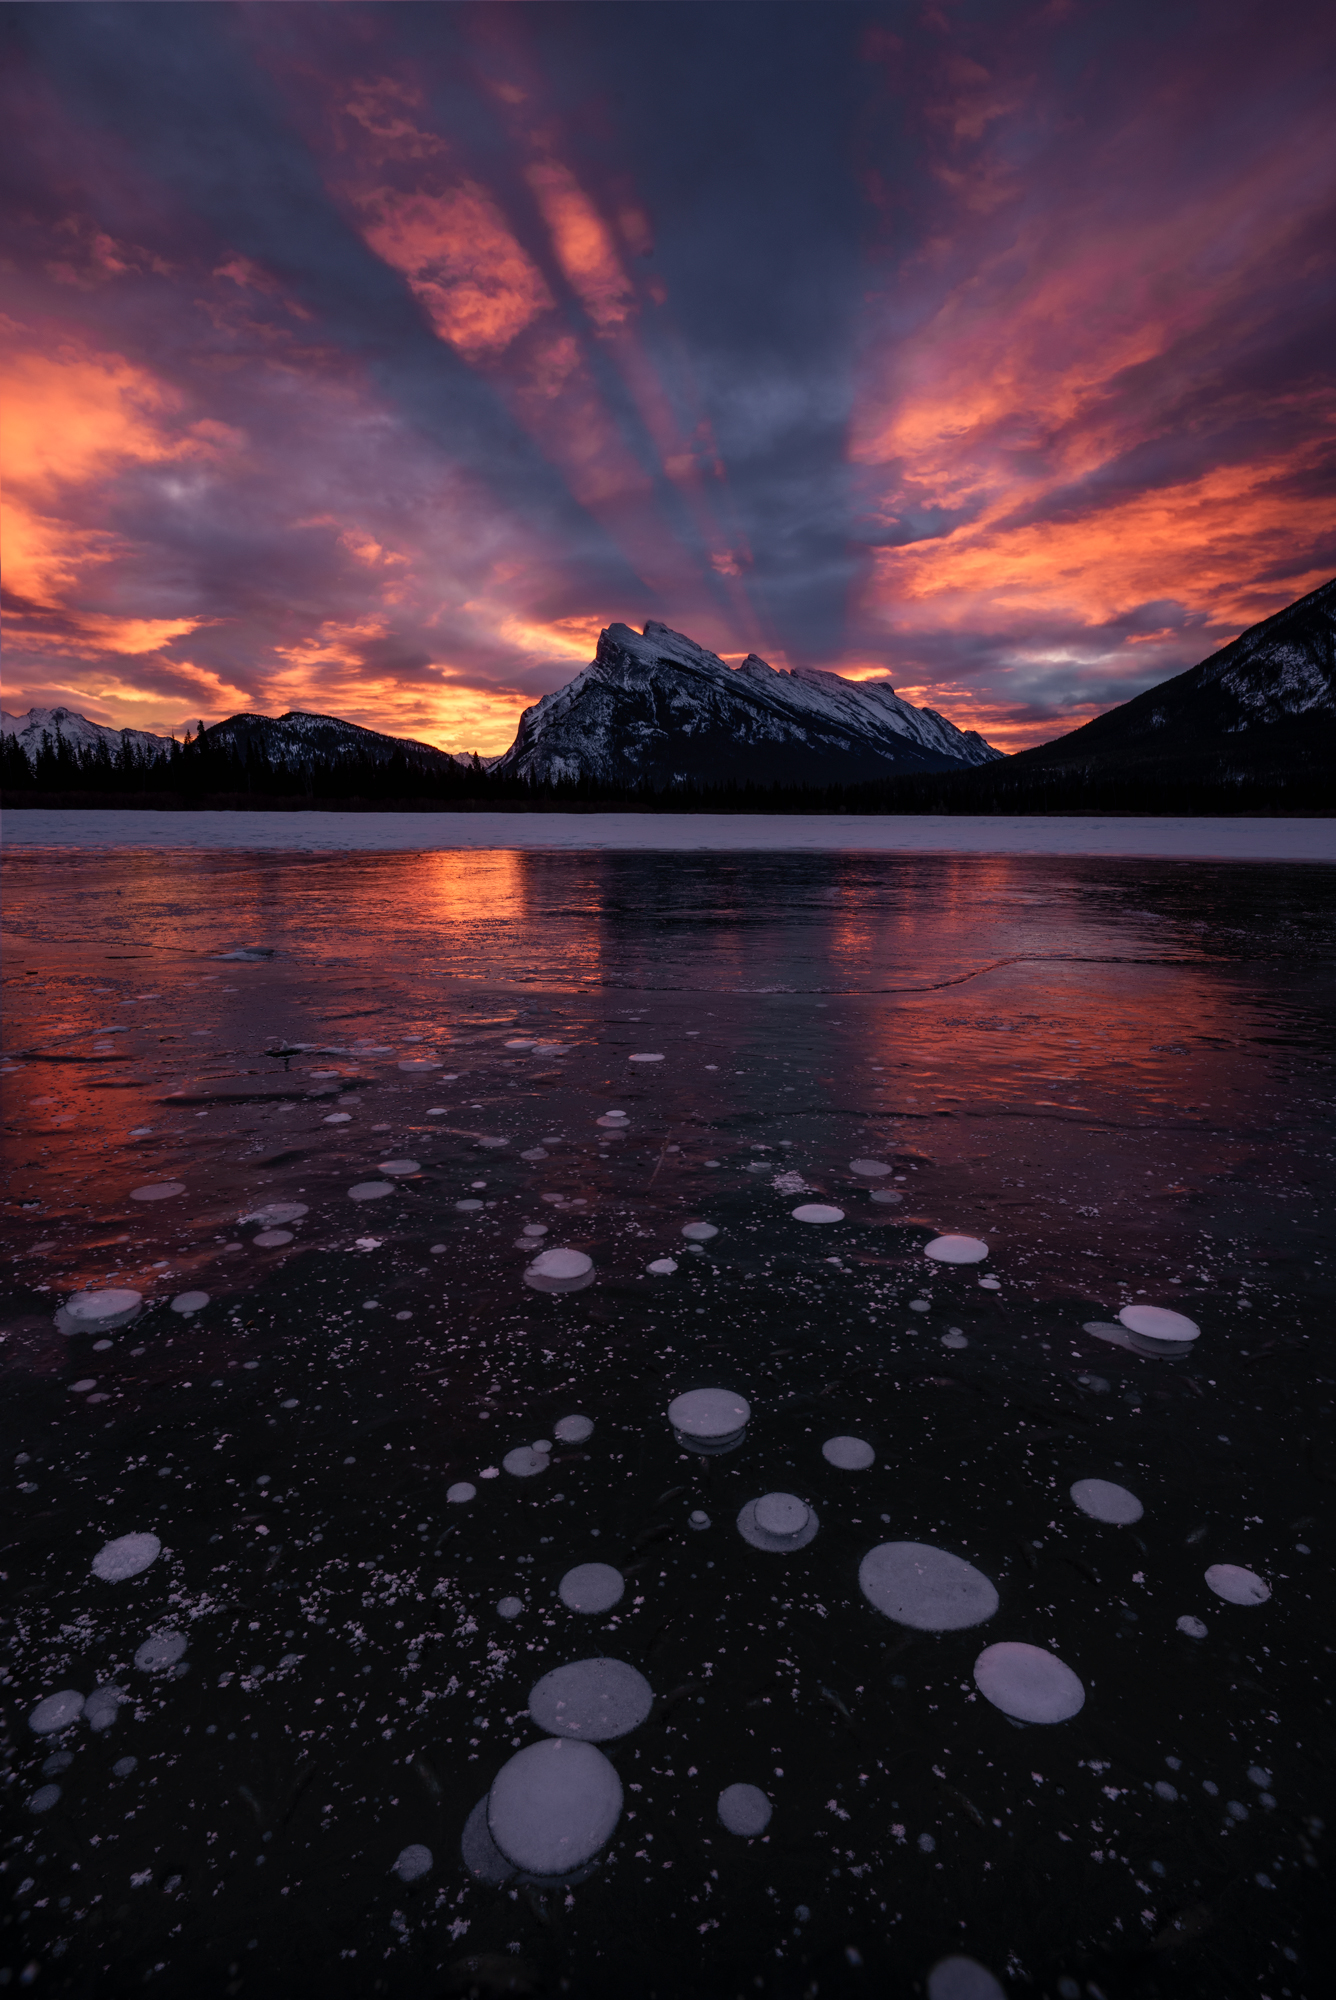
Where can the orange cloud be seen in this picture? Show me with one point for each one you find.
(583, 244)
(461, 261)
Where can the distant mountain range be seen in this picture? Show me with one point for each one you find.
(655, 712)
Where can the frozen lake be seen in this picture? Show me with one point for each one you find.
(324, 1111)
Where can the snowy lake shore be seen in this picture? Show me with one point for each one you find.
(1169, 838)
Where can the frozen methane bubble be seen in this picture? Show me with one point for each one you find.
(887, 1196)
(96, 1312)
(276, 1213)
(460, 1492)
(468, 1206)
(370, 1190)
(415, 1065)
(156, 1655)
(44, 1798)
(399, 1167)
(482, 1857)
(817, 1211)
(553, 1806)
(744, 1809)
(870, 1169)
(709, 1420)
(560, 1271)
(510, 1607)
(1192, 1628)
(592, 1699)
(591, 1587)
(414, 1861)
(123, 1767)
(1235, 1585)
(190, 1302)
(1028, 1683)
(573, 1430)
(698, 1518)
(1104, 1501)
(926, 1588)
(103, 1706)
(272, 1239)
(849, 1454)
(645, 1058)
(960, 1978)
(778, 1522)
(1156, 1330)
(126, 1557)
(662, 1267)
(955, 1340)
(525, 1461)
(57, 1712)
(158, 1191)
(699, 1232)
(956, 1250)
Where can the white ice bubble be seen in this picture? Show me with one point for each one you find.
(519, 1044)
(594, 1700)
(156, 1655)
(1156, 1330)
(926, 1588)
(44, 1798)
(490, 1143)
(956, 1250)
(662, 1267)
(699, 1232)
(817, 1211)
(573, 1430)
(95, 1311)
(778, 1523)
(591, 1587)
(102, 1707)
(123, 1767)
(990, 1284)
(955, 1340)
(1027, 1682)
(343, 1118)
(560, 1271)
(370, 1190)
(82, 1388)
(1191, 1627)
(960, 1978)
(190, 1302)
(554, 1805)
(525, 1461)
(416, 1065)
(415, 1861)
(534, 1229)
(645, 1058)
(469, 1206)
(1235, 1585)
(158, 1191)
(274, 1214)
(887, 1196)
(744, 1809)
(709, 1418)
(510, 1607)
(56, 1712)
(272, 1239)
(482, 1857)
(1105, 1501)
(870, 1169)
(126, 1557)
(849, 1454)
(398, 1168)
(460, 1492)
(698, 1518)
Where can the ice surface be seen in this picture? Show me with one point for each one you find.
(573, 1430)
(156, 1655)
(1028, 1683)
(1104, 1501)
(276, 1213)
(157, 1191)
(817, 1211)
(481, 1855)
(591, 1587)
(744, 1809)
(849, 1453)
(778, 1523)
(560, 1271)
(956, 1250)
(592, 1699)
(927, 1588)
(414, 1861)
(371, 1190)
(963, 1979)
(191, 1302)
(126, 1557)
(711, 1414)
(553, 1806)
(56, 1712)
(1237, 1586)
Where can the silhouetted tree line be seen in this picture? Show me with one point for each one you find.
(222, 775)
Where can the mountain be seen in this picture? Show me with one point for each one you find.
(655, 707)
(299, 738)
(1262, 708)
(76, 730)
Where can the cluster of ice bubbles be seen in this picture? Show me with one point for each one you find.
(528, 1460)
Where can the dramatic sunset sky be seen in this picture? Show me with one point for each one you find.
(370, 358)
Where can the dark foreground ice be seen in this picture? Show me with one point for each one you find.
(1019, 1682)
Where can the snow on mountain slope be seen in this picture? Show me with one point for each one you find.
(300, 735)
(75, 730)
(657, 706)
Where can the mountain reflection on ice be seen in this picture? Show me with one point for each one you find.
(1115, 1076)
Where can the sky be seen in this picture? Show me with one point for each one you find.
(371, 359)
